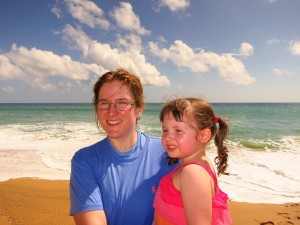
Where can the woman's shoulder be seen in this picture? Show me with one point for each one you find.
(150, 136)
(91, 149)
(150, 140)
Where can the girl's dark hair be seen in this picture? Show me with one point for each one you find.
(202, 115)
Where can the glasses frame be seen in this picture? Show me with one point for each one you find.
(116, 105)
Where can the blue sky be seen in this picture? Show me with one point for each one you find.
(221, 50)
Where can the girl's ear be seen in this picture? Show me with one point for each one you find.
(204, 136)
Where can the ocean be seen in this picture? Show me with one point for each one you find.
(38, 140)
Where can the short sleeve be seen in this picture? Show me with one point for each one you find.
(85, 194)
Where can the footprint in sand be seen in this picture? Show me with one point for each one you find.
(285, 215)
(267, 223)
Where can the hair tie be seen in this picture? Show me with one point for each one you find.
(217, 119)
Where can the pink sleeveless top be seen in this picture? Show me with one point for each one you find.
(169, 207)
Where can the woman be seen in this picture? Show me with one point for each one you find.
(114, 181)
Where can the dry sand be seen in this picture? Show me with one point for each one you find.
(27, 201)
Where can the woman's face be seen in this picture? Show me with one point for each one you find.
(117, 123)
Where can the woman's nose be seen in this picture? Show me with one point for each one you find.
(112, 108)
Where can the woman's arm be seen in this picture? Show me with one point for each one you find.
(85, 196)
(197, 190)
(96, 217)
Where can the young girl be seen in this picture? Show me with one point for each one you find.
(190, 193)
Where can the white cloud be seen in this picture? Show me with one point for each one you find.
(35, 67)
(175, 5)
(127, 19)
(294, 47)
(112, 58)
(81, 42)
(87, 12)
(57, 12)
(273, 41)
(280, 73)
(162, 53)
(8, 70)
(8, 89)
(246, 49)
(229, 68)
(130, 42)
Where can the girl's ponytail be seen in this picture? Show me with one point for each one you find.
(221, 135)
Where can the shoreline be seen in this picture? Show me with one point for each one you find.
(30, 201)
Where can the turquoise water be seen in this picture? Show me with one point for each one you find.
(251, 125)
(38, 140)
(44, 113)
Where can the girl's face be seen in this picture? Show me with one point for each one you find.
(179, 139)
(116, 123)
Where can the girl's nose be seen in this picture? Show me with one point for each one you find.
(169, 136)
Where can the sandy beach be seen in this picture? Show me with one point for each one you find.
(28, 201)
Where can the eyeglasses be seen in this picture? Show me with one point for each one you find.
(121, 105)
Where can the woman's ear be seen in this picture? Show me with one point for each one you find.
(139, 112)
(204, 136)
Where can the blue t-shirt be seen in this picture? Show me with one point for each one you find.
(122, 184)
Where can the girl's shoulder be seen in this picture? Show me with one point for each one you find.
(195, 170)
(194, 166)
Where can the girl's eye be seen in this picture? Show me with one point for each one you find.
(164, 130)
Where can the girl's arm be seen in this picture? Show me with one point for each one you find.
(197, 190)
